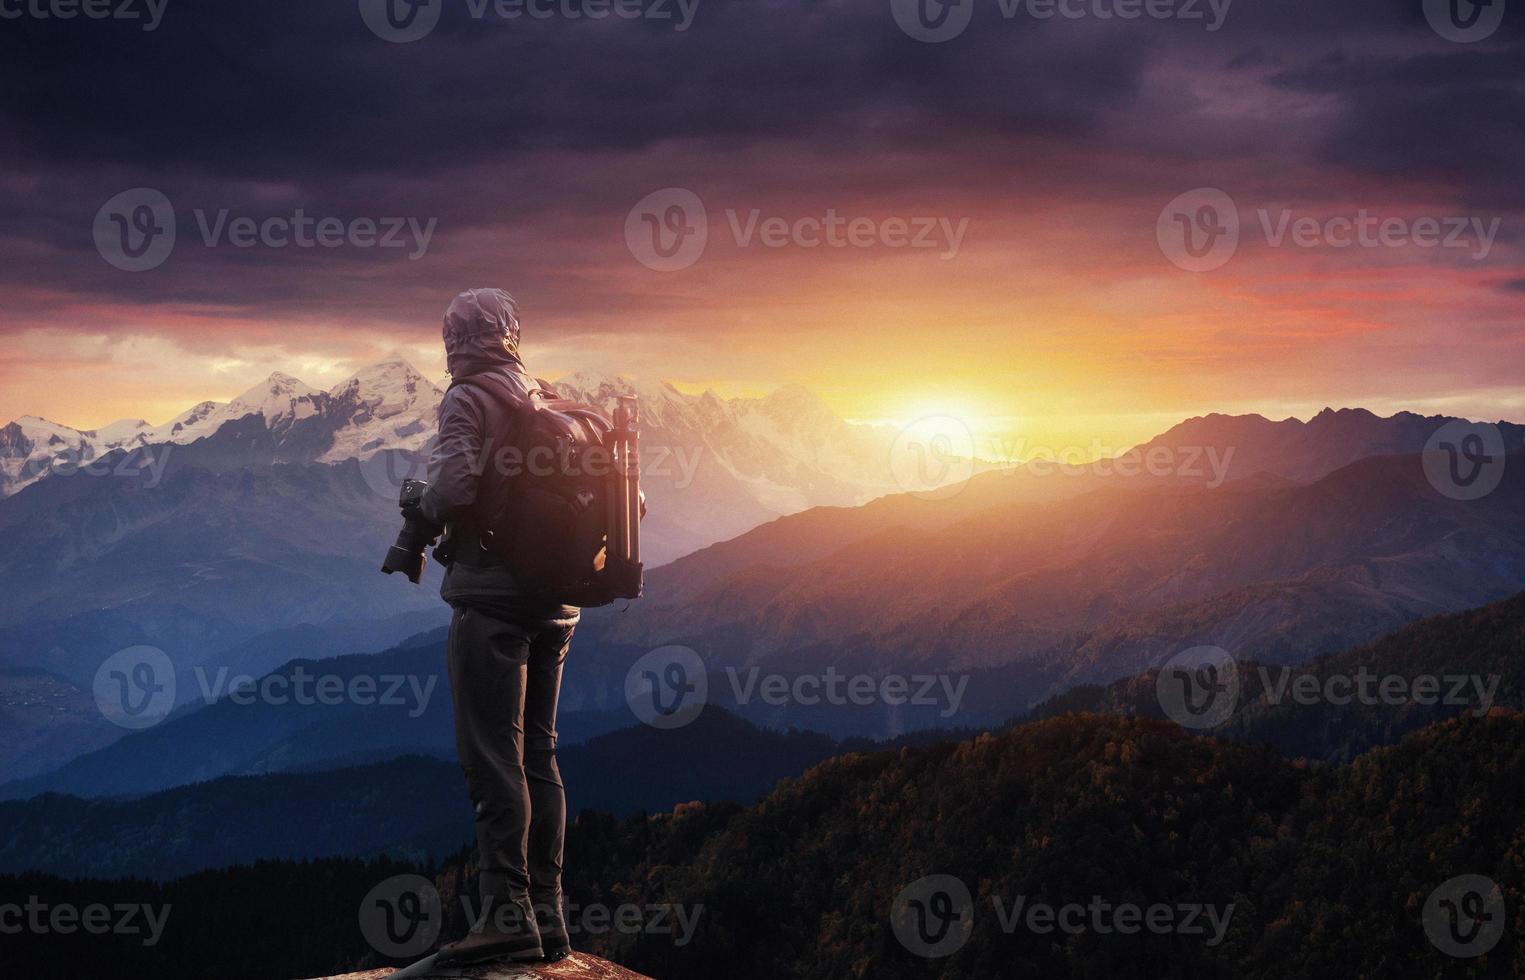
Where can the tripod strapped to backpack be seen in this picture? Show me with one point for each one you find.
(625, 504)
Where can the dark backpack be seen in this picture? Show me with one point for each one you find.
(569, 473)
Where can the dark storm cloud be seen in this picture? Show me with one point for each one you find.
(290, 90)
(297, 90)
(259, 108)
(1456, 116)
(524, 129)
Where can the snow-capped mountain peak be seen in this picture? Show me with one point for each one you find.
(390, 405)
(785, 452)
(391, 382)
(121, 432)
(280, 398)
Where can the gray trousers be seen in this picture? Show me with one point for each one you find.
(505, 677)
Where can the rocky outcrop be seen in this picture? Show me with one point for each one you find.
(578, 966)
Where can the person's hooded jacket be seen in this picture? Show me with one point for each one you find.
(481, 334)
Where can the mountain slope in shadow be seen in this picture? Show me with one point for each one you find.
(407, 808)
(1436, 669)
(1093, 587)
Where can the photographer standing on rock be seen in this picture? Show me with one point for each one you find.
(506, 649)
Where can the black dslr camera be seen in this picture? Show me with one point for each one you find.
(418, 532)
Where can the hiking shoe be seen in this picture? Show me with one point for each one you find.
(480, 947)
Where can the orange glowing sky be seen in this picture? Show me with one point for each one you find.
(1058, 321)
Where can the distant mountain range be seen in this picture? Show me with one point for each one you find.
(409, 806)
(46, 720)
(386, 406)
(1476, 657)
(1266, 854)
(256, 542)
(723, 465)
(1301, 452)
(1084, 587)
(249, 533)
(260, 737)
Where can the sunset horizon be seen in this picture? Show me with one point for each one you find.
(879, 489)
